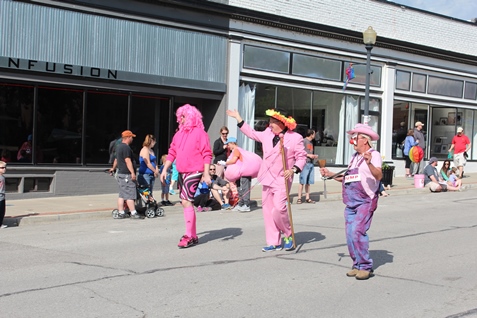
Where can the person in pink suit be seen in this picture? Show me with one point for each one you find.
(190, 147)
(272, 173)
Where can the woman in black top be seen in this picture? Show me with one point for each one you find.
(221, 150)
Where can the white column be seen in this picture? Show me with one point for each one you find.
(389, 73)
(233, 80)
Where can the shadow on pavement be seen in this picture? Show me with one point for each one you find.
(308, 237)
(222, 234)
(380, 257)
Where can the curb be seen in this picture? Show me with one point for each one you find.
(33, 218)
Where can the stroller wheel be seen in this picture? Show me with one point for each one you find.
(115, 213)
(150, 213)
(160, 211)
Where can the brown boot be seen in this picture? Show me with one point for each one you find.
(352, 273)
(363, 275)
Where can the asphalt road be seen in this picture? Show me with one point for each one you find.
(423, 247)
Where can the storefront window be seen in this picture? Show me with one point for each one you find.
(150, 115)
(266, 59)
(360, 74)
(470, 90)
(403, 80)
(329, 114)
(419, 83)
(311, 66)
(445, 87)
(106, 118)
(59, 125)
(16, 122)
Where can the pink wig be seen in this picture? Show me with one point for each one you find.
(193, 117)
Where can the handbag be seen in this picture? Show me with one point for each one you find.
(450, 155)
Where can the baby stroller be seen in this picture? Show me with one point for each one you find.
(145, 203)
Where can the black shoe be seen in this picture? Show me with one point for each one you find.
(137, 216)
(164, 203)
(123, 216)
(169, 203)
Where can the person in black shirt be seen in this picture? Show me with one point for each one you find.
(220, 150)
(126, 176)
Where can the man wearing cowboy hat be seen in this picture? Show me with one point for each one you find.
(360, 194)
(418, 167)
(272, 172)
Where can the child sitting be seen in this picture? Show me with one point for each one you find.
(167, 183)
(453, 181)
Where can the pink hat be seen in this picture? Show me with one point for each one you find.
(363, 129)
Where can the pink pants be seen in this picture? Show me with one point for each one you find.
(275, 214)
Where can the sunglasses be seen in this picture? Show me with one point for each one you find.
(3, 167)
(225, 133)
(211, 169)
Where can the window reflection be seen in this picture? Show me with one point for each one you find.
(106, 118)
(16, 115)
(59, 125)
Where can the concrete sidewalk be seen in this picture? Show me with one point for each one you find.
(52, 209)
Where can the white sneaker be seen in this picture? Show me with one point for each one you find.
(237, 208)
(3, 226)
(244, 208)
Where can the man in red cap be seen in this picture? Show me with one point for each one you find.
(126, 176)
(360, 195)
(460, 144)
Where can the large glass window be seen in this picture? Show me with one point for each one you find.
(266, 59)
(329, 114)
(150, 115)
(106, 118)
(59, 125)
(445, 87)
(16, 122)
(316, 67)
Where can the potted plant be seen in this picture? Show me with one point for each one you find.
(388, 172)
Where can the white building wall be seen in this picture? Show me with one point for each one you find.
(388, 19)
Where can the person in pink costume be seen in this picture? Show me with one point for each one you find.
(272, 173)
(190, 147)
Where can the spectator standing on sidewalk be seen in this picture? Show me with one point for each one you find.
(307, 176)
(409, 142)
(460, 144)
(221, 151)
(126, 176)
(273, 176)
(360, 185)
(148, 170)
(190, 147)
(418, 167)
(3, 168)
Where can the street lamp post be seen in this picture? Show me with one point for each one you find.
(369, 39)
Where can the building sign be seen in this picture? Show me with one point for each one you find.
(52, 68)
(57, 68)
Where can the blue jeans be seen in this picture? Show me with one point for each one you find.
(146, 179)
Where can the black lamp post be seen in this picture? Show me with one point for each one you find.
(369, 39)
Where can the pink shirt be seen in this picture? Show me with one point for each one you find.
(191, 150)
(368, 181)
